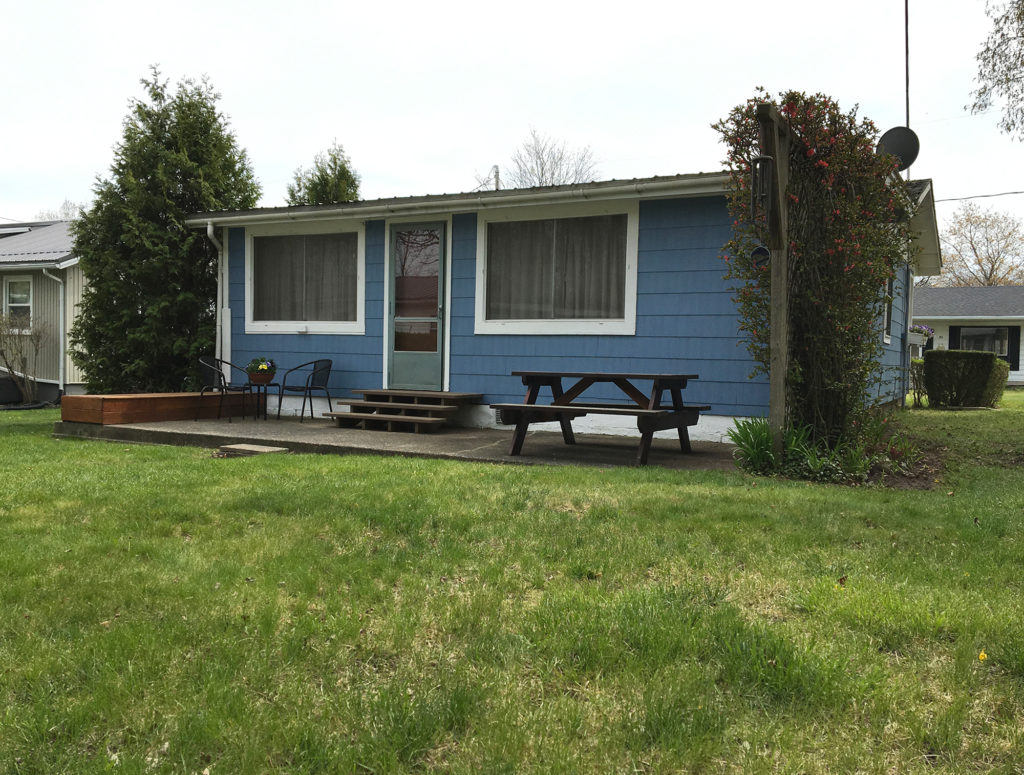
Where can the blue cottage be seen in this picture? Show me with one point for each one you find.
(454, 292)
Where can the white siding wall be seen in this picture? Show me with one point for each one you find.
(941, 339)
(46, 295)
(75, 282)
(45, 305)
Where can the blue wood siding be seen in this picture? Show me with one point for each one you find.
(895, 360)
(686, 320)
(358, 360)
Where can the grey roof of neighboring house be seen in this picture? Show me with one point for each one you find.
(992, 302)
(43, 245)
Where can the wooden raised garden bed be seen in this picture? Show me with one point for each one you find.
(150, 407)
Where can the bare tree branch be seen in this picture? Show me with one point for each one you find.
(1001, 67)
(982, 248)
(19, 353)
(68, 211)
(544, 161)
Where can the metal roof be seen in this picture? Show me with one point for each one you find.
(929, 260)
(697, 184)
(44, 245)
(998, 301)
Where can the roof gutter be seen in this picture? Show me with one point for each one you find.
(210, 235)
(710, 184)
(926, 316)
(23, 265)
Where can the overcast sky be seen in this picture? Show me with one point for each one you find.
(425, 96)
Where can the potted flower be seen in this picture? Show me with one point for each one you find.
(920, 333)
(261, 370)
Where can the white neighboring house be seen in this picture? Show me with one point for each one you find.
(41, 283)
(987, 319)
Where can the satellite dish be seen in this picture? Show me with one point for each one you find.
(901, 142)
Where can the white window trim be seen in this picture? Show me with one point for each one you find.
(346, 327)
(31, 299)
(887, 310)
(625, 326)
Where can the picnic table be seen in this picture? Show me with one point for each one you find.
(651, 413)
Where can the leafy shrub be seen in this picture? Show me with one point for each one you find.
(753, 440)
(848, 233)
(996, 384)
(871, 447)
(964, 377)
(917, 381)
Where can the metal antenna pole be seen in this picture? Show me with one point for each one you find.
(906, 51)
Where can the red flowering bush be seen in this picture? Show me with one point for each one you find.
(848, 214)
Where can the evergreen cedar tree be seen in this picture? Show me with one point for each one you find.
(330, 180)
(148, 308)
(848, 216)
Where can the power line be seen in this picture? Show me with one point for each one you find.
(978, 196)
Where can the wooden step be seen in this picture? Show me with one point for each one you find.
(390, 410)
(359, 405)
(420, 396)
(386, 422)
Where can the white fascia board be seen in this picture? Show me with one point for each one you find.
(971, 318)
(22, 266)
(928, 261)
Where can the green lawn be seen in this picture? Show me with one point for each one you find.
(167, 611)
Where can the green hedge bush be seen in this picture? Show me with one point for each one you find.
(964, 377)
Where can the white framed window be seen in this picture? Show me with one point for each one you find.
(570, 269)
(890, 290)
(18, 302)
(305, 278)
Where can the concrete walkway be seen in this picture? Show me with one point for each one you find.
(476, 444)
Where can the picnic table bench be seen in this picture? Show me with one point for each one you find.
(651, 415)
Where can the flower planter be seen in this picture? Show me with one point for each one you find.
(261, 378)
(918, 339)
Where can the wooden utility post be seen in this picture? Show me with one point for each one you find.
(774, 138)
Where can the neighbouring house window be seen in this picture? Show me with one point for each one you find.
(558, 275)
(305, 282)
(18, 301)
(990, 339)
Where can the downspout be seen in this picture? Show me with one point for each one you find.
(908, 318)
(61, 371)
(211, 235)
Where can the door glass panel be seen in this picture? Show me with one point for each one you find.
(420, 337)
(417, 263)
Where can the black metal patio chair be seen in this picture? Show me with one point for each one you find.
(315, 379)
(211, 375)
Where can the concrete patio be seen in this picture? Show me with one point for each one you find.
(472, 444)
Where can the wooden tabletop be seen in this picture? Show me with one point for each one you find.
(602, 375)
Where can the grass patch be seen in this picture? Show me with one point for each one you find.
(167, 611)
